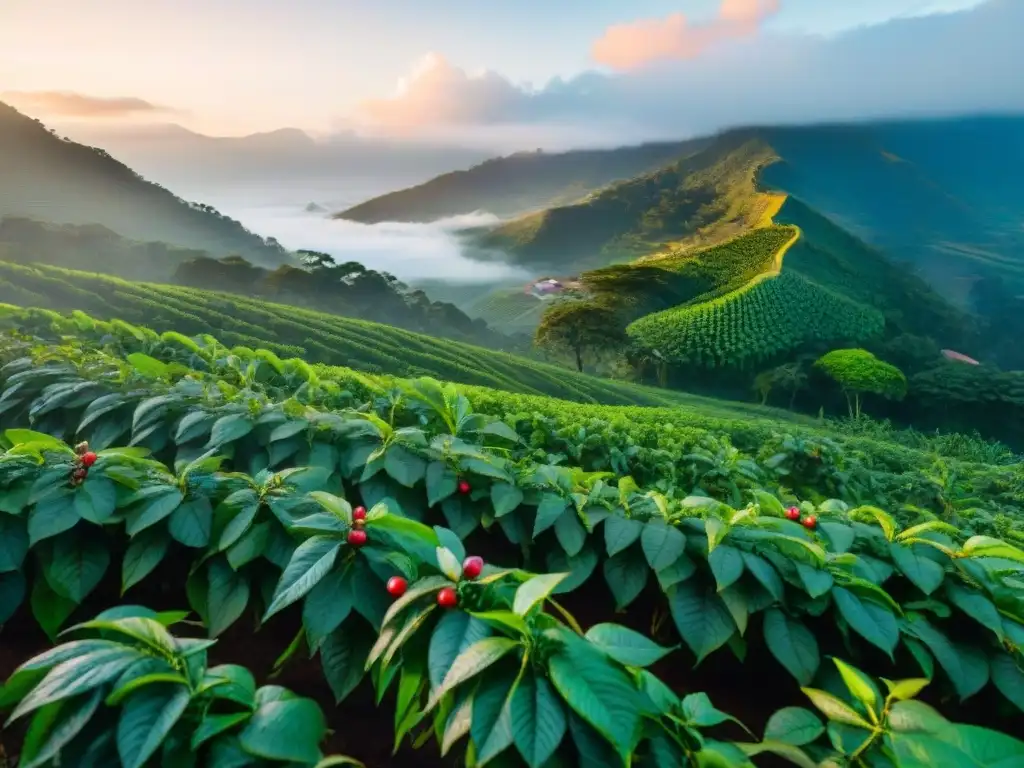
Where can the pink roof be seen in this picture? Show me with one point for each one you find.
(949, 354)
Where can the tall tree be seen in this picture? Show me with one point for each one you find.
(579, 327)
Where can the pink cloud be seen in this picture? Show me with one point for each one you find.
(673, 38)
(437, 92)
(70, 104)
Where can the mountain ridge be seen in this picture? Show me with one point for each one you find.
(63, 182)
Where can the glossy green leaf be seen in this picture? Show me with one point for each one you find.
(600, 692)
(626, 574)
(54, 726)
(836, 709)
(794, 725)
(144, 553)
(726, 564)
(872, 621)
(620, 533)
(287, 731)
(662, 544)
(792, 644)
(327, 605)
(75, 565)
(146, 718)
(505, 497)
(534, 591)
(537, 719)
(549, 510)
(625, 645)
(701, 617)
(924, 572)
(471, 662)
(311, 562)
(96, 500)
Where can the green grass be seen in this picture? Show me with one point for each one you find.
(509, 310)
(315, 336)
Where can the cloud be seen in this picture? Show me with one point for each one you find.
(70, 104)
(946, 63)
(636, 44)
(436, 92)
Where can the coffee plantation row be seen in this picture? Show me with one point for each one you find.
(672, 450)
(231, 465)
(475, 670)
(316, 336)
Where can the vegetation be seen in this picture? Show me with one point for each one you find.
(315, 336)
(859, 372)
(89, 246)
(84, 185)
(525, 181)
(509, 310)
(347, 515)
(348, 289)
(125, 692)
(702, 193)
(771, 318)
(579, 326)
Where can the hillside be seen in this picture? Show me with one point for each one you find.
(85, 246)
(704, 192)
(822, 288)
(942, 195)
(50, 179)
(508, 186)
(315, 336)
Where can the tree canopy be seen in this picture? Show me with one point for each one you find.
(859, 372)
(579, 326)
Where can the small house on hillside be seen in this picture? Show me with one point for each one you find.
(543, 288)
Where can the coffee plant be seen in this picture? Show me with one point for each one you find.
(351, 509)
(124, 691)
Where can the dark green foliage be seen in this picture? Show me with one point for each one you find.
(126, 692)
(651, 286)
(777, 316)
(61, 181)
(712, 568)
(858, 372)
(316, 336)
(639, 216)
(579, 327)
(521, 182)
(90, 247)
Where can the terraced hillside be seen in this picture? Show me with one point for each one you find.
(315, 336)
(512, 310)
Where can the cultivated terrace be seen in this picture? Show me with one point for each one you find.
(484, 599)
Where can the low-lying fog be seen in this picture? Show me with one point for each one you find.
(411, 252)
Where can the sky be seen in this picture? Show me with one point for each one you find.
(511, 72)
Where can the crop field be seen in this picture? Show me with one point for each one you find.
(531, 592)
(510, 311)
(756, 323)
(315, 336)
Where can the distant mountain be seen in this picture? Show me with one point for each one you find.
(941, 196)
(337, 167)
(46, 178)
(944, 196)
(525, 181)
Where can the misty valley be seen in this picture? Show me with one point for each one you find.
(670, 413)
